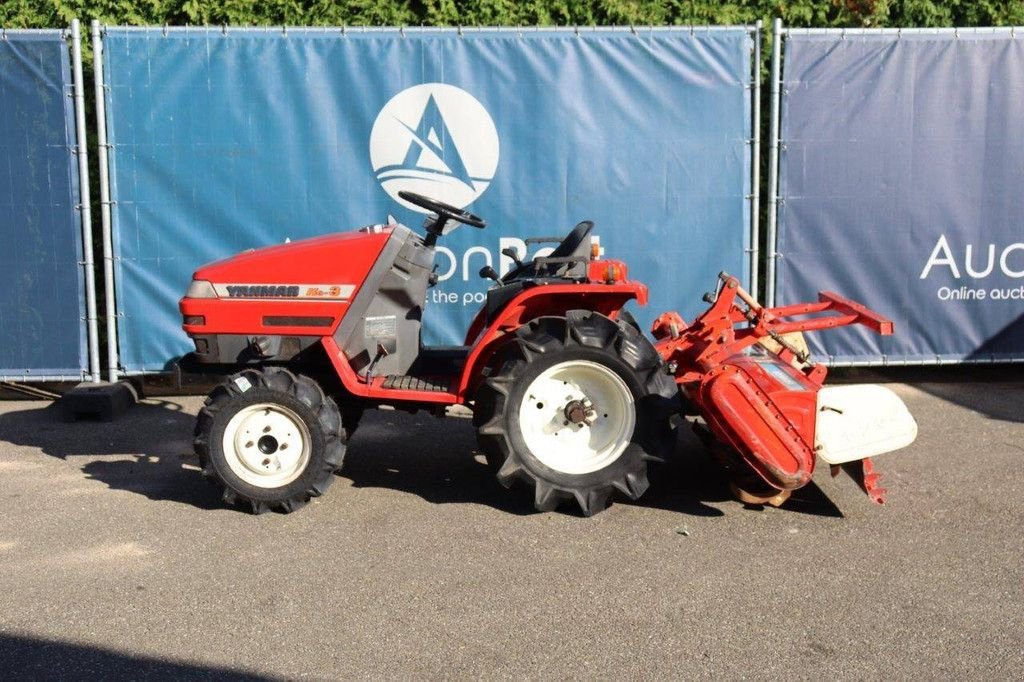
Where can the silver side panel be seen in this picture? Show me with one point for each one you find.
(385, 317)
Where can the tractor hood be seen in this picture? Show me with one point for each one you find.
(336, 260)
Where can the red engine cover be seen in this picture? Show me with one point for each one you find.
(334, 258)
(765, 410)
(337, 264)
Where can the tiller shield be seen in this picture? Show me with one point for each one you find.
(767, 418)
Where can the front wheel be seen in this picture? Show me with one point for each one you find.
(270, 439)
(577, 409)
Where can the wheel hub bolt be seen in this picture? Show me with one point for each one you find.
(580, 412)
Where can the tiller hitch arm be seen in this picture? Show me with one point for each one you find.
(712, 338)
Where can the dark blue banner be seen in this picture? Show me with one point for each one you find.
(228, 140)
(901, 187)
(42, 308)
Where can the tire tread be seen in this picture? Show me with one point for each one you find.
(304, 390)
(546, 335)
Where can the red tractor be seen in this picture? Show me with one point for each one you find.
(567, 394)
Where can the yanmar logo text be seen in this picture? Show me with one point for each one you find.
(308, 292)
(262, 291)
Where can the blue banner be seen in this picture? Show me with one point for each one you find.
(42, 309)
(224, 140)
(901, 187)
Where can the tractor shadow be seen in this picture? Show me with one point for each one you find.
(428, 457)
(149, 452)
(431, 458)
(35, 658)
(691, 481)
(152, 444)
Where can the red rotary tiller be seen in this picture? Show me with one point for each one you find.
(765, 413)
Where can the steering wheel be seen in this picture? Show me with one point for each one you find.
(565, 248)
(443, 210)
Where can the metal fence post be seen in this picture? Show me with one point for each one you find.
(110, 303)
(85, 205)
(755, 153)
(773, 165)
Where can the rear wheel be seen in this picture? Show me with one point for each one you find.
(577, 408)
(270, 439)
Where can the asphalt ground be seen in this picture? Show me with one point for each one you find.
(116, 559)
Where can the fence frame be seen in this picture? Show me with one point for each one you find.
(755, 31)
(80, 150)
(102, 147)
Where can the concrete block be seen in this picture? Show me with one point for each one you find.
(99, 401)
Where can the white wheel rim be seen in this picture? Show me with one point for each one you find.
(577, 447)
(267, 445)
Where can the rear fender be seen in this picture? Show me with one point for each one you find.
(540, 301)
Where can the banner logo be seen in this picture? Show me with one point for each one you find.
(437, 140)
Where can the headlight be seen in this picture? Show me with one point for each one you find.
(200, 288)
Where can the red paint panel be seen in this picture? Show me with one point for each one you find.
(343, 258)
(766, 411)
(246, 316)
(337, 259)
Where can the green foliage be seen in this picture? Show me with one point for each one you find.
(848, 13)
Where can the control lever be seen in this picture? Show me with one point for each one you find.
(513, 254)
(381, 352)
(488, 272)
